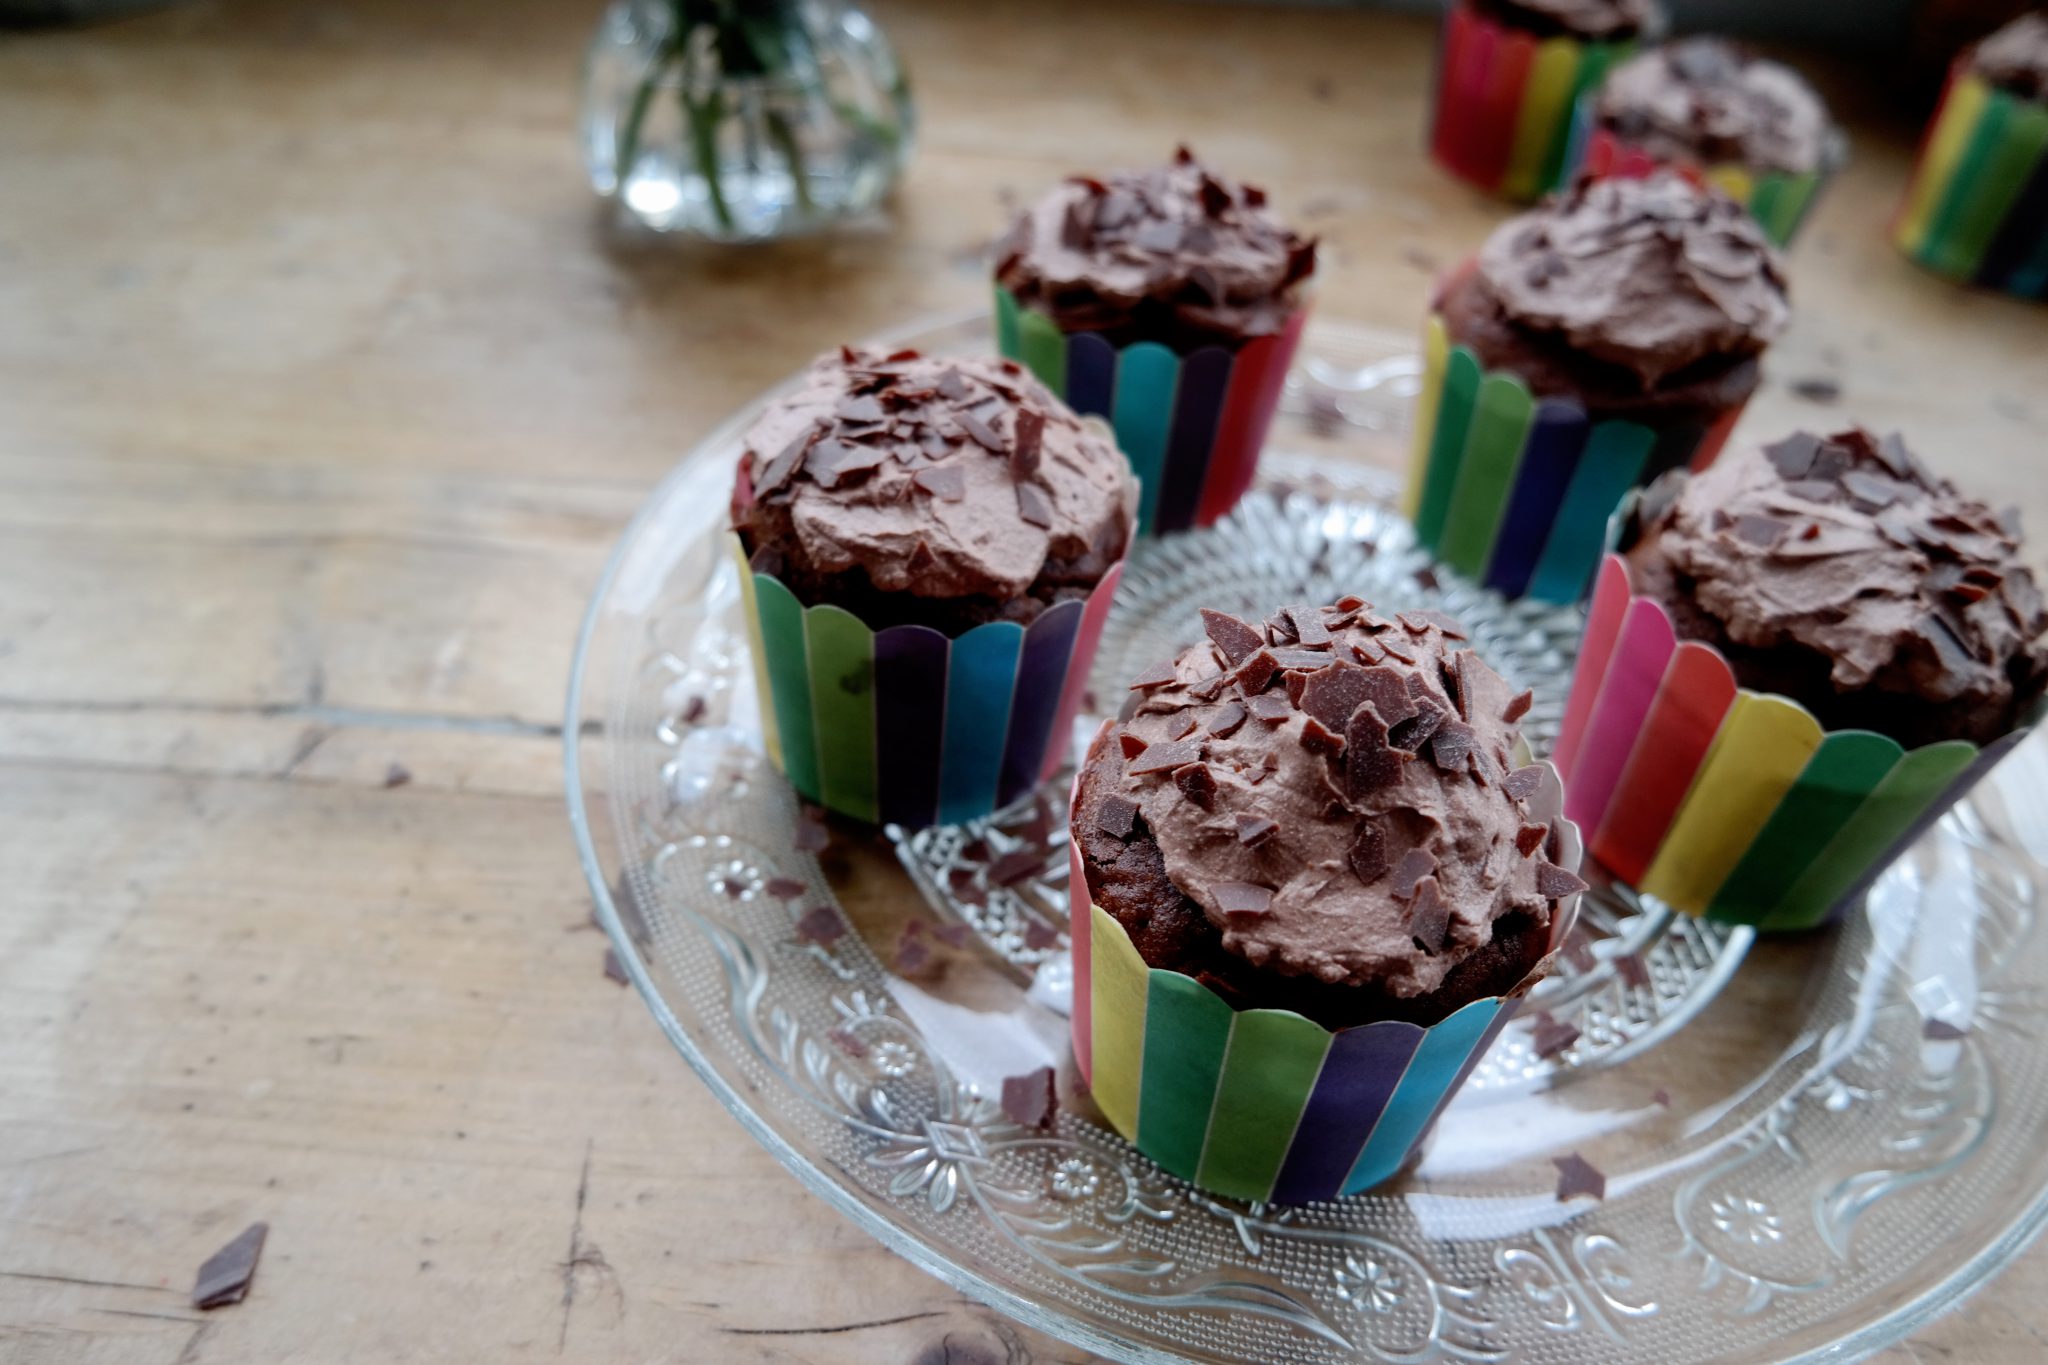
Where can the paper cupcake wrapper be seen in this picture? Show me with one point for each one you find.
(1514, 491)
(1779, 202)
(1266, 1104)
(1977, 206)
(1504, 102)
(1731, 804)
(906, 725)
(1191, 425)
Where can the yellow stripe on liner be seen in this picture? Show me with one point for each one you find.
(771, 736)
(1952, 129)
(1117, 1005)
(1436, 351)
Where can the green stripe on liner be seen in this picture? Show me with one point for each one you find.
(1268, 1071)
(1008, 341)
(1945, 249)
(2007, 172)
(1833, 786)
(1795, 195)
(843, 704)
(1764, 203)
(1917, 779)
(1447, 450)
(1147, 378)
(1486, 474)
(1044, 349)
(789, 675)
(1187, 1030)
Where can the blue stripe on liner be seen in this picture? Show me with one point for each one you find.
(1041, 678)
(1611, 464)
(1146, 376)
(1437, 1063)
(1091, 375)
(978, 688)
(1556, 438)
(910, 722)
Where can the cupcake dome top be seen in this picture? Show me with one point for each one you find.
(934, 477)
(1839, 571)
(2015, 59)
(1707, 100)
(1605, 20)
(1175, 249)
(1336, 791)
(1651, 276)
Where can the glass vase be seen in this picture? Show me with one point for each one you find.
(741, 120)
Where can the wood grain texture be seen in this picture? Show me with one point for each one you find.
(324, 389)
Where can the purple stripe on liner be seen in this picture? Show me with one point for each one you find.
(1091, 375)
(1973, 772)
(1550, 457)
(1673, 450)
(1204, 381)
(2020, 235)
(910, 722)
(1041, 679)
(1359, 1075)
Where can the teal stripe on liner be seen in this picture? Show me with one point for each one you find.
(1430, 1073)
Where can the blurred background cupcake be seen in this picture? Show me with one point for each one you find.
(1977, 207)
(1169, 302)
(1509, 75)
(1807, 654)
(1593, 343)
(1753, 128)
(927, 549)
(1312, 881)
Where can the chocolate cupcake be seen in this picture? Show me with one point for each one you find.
(1840, 645)
(1977, 208)
(928, 548)
(1169, 302)
(1326, 815)
(1752, 127)
(1595, 342)
(1511, 72)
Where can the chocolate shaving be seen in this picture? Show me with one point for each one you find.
(1159, 675)
(1891, 452)
(1518, 706)
(1429, 919)
(1413, 733)
(1529, 838)
(1039, 935)
(1764, 532)
(912, 955)
(1226, 720)
(227, 1274)
(1872, 494)
(978, 431)
(1942, 1031)
(1018, 865)
(1116, 816)
(1269, 708)
(614, 970)
(1320, 738)
(1234, 636)
(1553, 881)
(1030, 1101)
(785, 888)
(1367, 651)
(1632, 970)
(1419, 622)
(1387, 690)
(952, 935)
(1164, 757)
(1205, 689)
(1331, 694)
(1577, 1176)
(952, 386)
(1793, 456)
(1242, 898)
(1368, 853)
(1130, 743)
(812, 836)
(946, 484)
(1522, 783)
(822, 925)
(1197, 783)
(1369, 764)
(1253, 830)
(1160, 235)
(1257, 670)
(1030, 438)
(1415, 864)
(1453, 745)
(1033, 507)
(1309, 627)
(859, 410)
(1550, 1035)
(1301, 658)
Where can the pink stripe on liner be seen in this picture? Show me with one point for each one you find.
(1079, 933)
(1663, 759)
(1499, 118)
(1603, 626)
(1079, 664)
(1717, 436)
(1459, 27)
(1634, 672)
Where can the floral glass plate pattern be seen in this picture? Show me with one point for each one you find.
(1810, 1146)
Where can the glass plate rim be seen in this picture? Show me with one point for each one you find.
(1895, 1326)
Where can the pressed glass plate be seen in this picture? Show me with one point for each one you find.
(1811, 1145)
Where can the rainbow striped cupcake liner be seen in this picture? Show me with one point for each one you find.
(1191, 425)
(1515, 492)
(907, 726)
(1779, 202)
(1731, 804)
(1265, 1104)
(1504, 102)
(1977, 207)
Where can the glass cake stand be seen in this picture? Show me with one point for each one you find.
(1805, 1159)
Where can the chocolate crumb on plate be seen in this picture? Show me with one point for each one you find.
(1030, 1101)
(1018, 865)
(615, 970)
(1577, 1176)
(1040, 935)
(1550, 1035)
(227, 1274)
(397, 775)
(822, 925)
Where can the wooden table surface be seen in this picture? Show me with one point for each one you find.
(324, 391)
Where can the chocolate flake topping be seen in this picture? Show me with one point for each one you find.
(1158, 758)
(1243, 898)
(1369, 764)
(1554, 882)
(1116, 816)
(1030, 435)
(1529, 838)
(1761, 531)
(1522, 783)
(1270, 708)
(1231, 634)
(1415, 864)
(1453, 745)
(1309, 628)
(1032, 506)
(1197, 782)
(1368, 853)
(1793, 456)
(1518, 706)
(1331, 694)
(1256, 671)
(1253, 830)
(1226, 719)
(1159, 675)
(947, 484)
(228, 1273)
(1429, 919)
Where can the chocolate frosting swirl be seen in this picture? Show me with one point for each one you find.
(1603, 20)
(1179, 253)
(1848, 577)
(1651, 275)
(1707, 101)
(937, 477)
(2015, 59)
(1337, 792)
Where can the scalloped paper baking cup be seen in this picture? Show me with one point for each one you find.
(1504, 102)
(907, 726)
(1727, 803)
(1266, 1104)
(1515, 492)
(1190, 425)
(1977, 207)
(1779, 202)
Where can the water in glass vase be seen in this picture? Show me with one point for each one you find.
(740, 120)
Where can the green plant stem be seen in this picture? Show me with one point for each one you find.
(626, 148)
(703, 120)
(784, 138)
